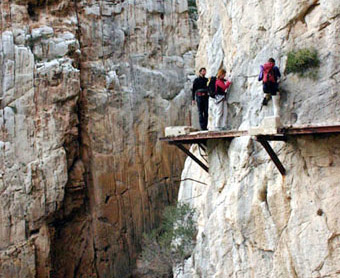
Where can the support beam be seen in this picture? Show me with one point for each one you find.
(202, 146)
(282, 138)
(193, 157)
(272, 155)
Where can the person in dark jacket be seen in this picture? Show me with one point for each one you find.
(201, 97)
(270, 76)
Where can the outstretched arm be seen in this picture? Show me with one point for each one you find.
(222, 85)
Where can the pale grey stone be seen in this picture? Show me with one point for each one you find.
(43, 31)
(252, 222)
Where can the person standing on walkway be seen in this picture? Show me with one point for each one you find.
(201, 97)
(270, 76)
(221, 86)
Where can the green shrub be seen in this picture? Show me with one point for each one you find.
(301, 61)
(171, 243)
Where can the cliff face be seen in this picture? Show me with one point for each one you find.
(252, 221)
(86, 89)
(242, 36)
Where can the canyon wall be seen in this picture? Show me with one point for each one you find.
(253, 222)
(86, 90)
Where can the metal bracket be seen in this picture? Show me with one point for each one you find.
(281, 137)
(193, 157)
(272, 154)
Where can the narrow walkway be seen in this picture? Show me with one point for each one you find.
(201, 138)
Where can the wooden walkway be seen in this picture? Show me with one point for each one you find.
(202, 137)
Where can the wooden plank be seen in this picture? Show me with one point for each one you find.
(202, 137)
(193, 157)
(205, 136)
(273, 156)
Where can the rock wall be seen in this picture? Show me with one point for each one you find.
(241, 36)
(252, 221)
(86, 90)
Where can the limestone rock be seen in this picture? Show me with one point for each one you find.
(86, 89)
(252, 221)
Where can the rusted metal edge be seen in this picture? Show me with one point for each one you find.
(307, 130)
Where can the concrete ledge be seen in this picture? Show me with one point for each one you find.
(253, 131)
(178, 130)
(269, 126)
(271, 122)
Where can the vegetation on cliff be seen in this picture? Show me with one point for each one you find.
(303, 61)
(171, 243)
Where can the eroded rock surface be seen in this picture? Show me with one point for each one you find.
(252, 221)
(86, 90)
(255, 223)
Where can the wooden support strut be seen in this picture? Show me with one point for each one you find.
(193, 157)
(272, 155)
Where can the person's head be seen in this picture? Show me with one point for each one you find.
(271, 60)
(203, 71)
(221, 74)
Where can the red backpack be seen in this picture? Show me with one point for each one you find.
(268, 73)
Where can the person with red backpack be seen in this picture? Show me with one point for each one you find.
(270, 76)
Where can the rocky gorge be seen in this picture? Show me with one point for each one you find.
(87, 88)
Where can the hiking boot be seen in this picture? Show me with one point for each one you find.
(264, 101)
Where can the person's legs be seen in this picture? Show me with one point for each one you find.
(269, 88)
(218, 115)
(225, 114)
(200, 107)
(266, 99)
(205, 112)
